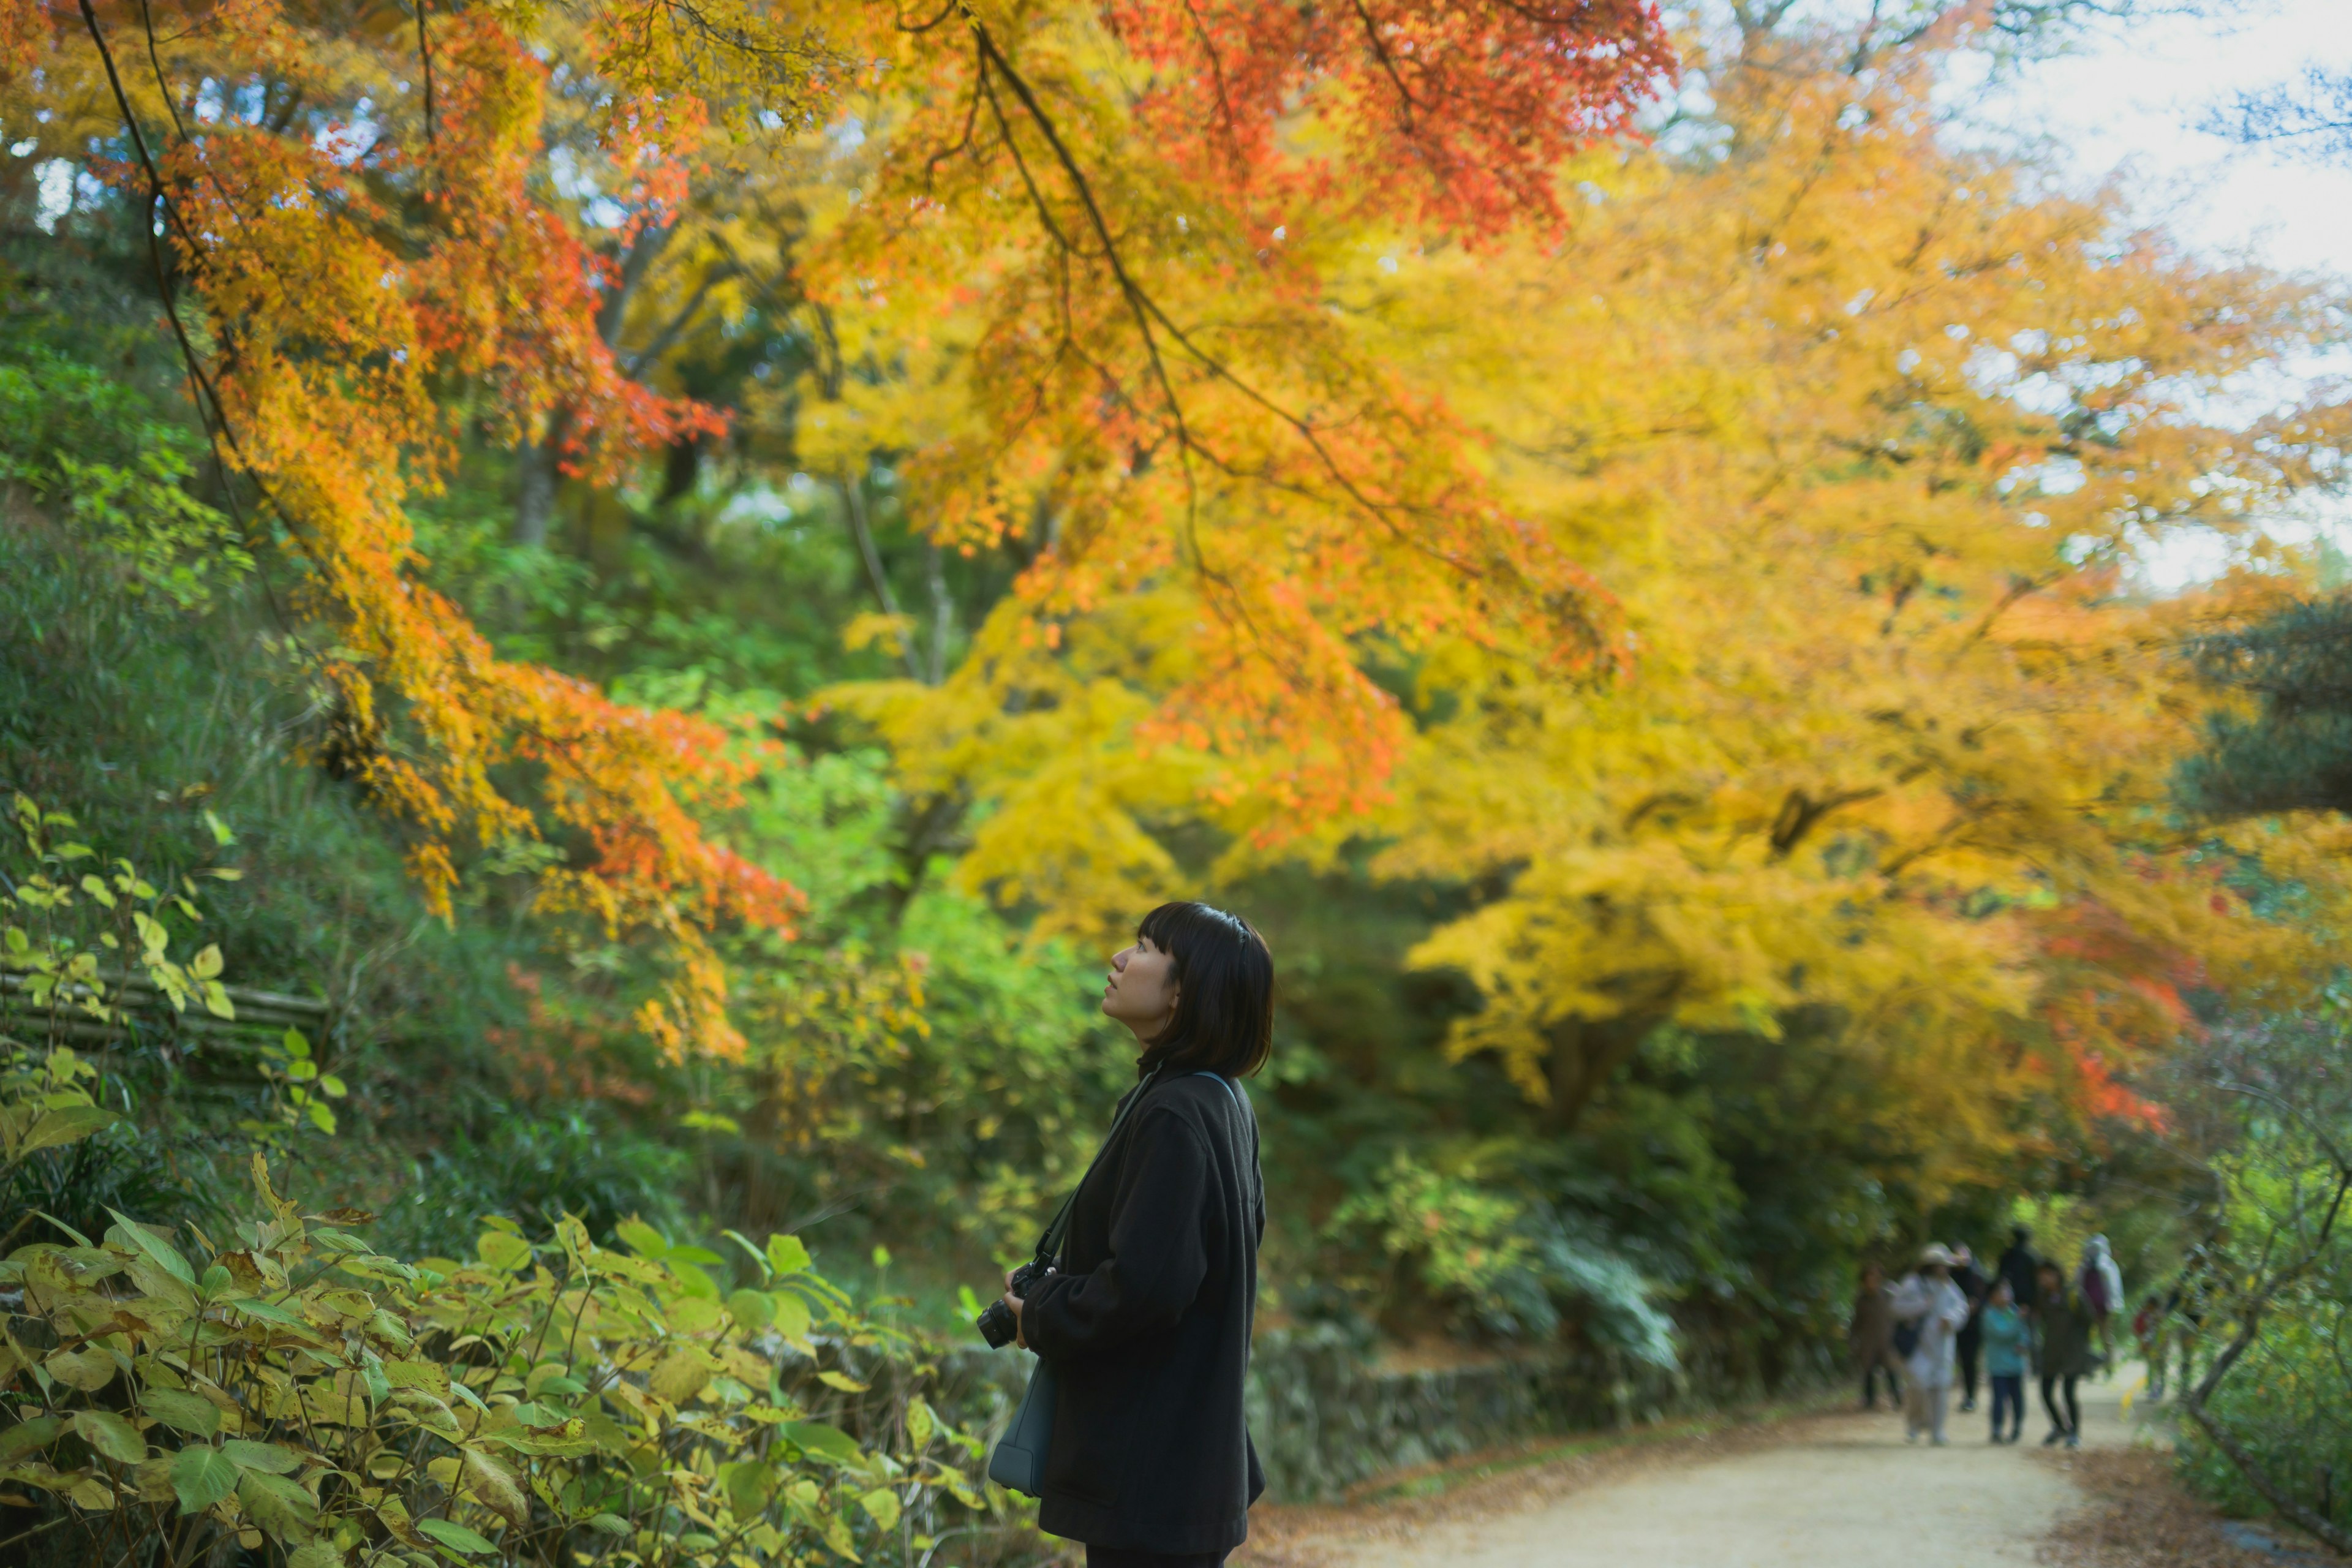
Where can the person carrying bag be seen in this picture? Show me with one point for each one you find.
(1133, 1431)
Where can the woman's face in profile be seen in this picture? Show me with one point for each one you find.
(1140, 990)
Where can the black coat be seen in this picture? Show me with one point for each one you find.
(2023, 1270)
(1147, 1326)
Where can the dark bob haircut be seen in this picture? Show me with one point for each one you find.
(1224, 998)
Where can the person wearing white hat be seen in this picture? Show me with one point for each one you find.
(1928, 1298)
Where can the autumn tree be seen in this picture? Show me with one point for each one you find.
(1863, 432)
(367, 251)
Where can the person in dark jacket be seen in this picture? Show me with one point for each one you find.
(1146, 1318)
(2022, 1269)
(1968, 1344)
(1870, 1339)
(2062, 1331)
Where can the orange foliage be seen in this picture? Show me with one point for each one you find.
(370, 257)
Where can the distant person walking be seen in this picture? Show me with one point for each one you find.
(2148, 1328)
(2063, 1328)
(2006, 1342)
(2102, 1287)
(1870, 1338)
(2021, 1268)
(1933, 1305)
(1968, 1342)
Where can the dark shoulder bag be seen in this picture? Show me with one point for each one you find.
(1018, 1463)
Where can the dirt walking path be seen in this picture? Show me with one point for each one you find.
(1824, 1491)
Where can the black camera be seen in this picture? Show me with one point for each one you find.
(996, 1325)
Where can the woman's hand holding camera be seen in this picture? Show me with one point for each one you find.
(1014, 1304)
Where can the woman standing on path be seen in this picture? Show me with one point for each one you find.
(2062, 1325)
(2003, 1328)
(1929, 1297)
(1146, 1318)
(1870, 1339)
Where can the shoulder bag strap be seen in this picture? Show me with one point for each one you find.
(1049, 1245)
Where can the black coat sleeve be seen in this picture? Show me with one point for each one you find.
(1159, 1254)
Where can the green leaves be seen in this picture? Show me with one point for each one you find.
(278, 1505)
(787, 1254)
(201, 1478)
(264, 1458)
(161, 1251)
(182, 1411)
(28, 1436)
(570, 1388)
(110, 1435)
(67, 1125)
(820, 1441)
(455, 1538)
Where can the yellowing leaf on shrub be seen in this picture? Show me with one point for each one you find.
(88, 1369)
(881, 1505)
(189, 1413)
(787, 1253)
(680, 1376)
(791, 1318)
(841, 1380)
(503, 1252)
(278, 1506)
(695, 1315)
(111, 1435)
(496, 1487)
(201, 1476)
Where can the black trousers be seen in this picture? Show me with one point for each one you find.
(2072, 1421)
(1128, 1557)
(1969, 1343)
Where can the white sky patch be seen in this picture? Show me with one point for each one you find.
(2129, 104)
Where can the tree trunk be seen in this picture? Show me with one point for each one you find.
(539, 468)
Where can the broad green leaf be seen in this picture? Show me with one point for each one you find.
(28, 1436)
(642, 1239)
(182, 1412)
(201, 1478)
(278, 1506)
(695, 1315)
(316, 1554)
(496, 1484)
(920, 1424)
(752, 1310)
(748, 1485)
(111, 1435)
(267, 1458)
(680, 1376)
(787, 1253)
(881, 1505)
(609, 1524)
(89, 1369)
(206, 965)
(455, 1537)
(156, 1247)
(503, 1252)
(819, 1441)
(792, 1315)
(67, 1125)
